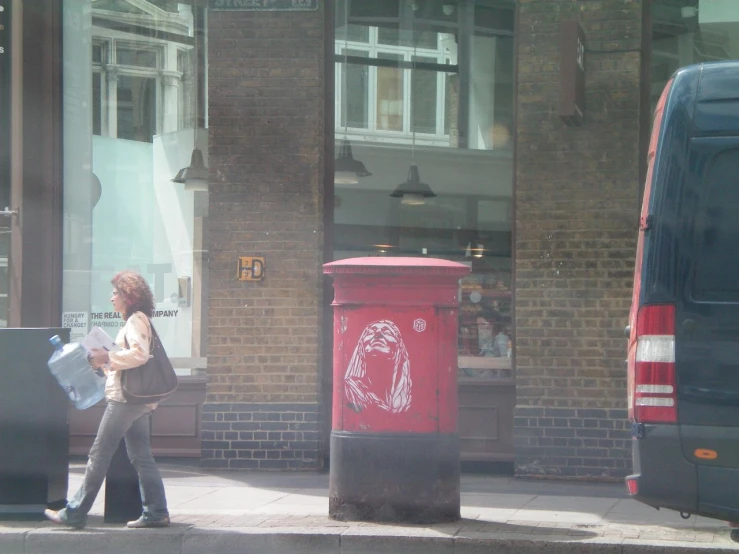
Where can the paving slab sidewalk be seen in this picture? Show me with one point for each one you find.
(250, 512)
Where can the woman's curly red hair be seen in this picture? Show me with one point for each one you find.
(135, 291)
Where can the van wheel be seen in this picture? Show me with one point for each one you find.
(735, 535)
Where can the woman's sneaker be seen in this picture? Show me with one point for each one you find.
(146, 522)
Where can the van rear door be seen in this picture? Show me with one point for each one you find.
(707, 311)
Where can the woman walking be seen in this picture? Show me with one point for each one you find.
(132, 298)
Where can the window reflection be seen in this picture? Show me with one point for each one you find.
(390, 97)
(685, 32)
(136, 102)
(4, 256)
(356, 85)
(430, 85)
(133, 107)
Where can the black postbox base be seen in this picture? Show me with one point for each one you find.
(122, 496)
(411, 478)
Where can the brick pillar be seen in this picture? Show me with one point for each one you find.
(266, 123)
(577, 211)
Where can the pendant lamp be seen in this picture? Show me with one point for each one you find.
(195, 176)
(347, 170)
(413, 192)
(97, 189)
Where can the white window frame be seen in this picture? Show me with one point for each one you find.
(109, 64)
(371, 132)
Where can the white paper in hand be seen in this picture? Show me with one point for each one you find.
(97, 338)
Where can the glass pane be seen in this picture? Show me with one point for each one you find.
(424, 101)
(98, 53)
(685, 32)
(716, 273)
(389, 95)
(128, 131)
(357, 33)
(393, 37)
(136, 108)
(501, 130)
(493, 18)
(451, 108)
(4, 259)
(97, 114)
(142, 58)
(184, 62)
(355, 92)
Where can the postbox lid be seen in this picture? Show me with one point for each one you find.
(395, 266)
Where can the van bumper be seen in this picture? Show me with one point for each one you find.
(662, 477)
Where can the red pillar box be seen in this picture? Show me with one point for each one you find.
(394, 441)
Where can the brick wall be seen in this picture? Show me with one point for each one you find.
(266, 125)
(576, 225)
(260, 436)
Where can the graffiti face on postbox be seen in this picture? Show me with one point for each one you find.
(379, 372)
(389, 378)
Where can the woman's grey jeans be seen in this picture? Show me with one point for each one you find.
(131, 421)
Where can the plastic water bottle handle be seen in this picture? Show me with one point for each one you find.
(72, 393)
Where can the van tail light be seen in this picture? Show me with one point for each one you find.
(652, 379)
(649, 346)
(632, 485)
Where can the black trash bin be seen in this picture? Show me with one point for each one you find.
(34, 429)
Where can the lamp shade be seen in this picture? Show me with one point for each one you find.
(97, 189)
(194, 177)
(347, 170)
(413, 192)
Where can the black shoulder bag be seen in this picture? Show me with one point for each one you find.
(152, 381)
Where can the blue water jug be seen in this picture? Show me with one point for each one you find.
(68, 364)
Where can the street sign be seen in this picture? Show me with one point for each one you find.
(250, 268)
(572, 73)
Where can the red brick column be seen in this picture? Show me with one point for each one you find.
(576, 218)
(266, 123)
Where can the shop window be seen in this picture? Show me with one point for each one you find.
(131, 113)
(433, 87)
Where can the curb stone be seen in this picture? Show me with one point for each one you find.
(182, 539)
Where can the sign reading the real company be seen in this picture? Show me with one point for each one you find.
(263, 5)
